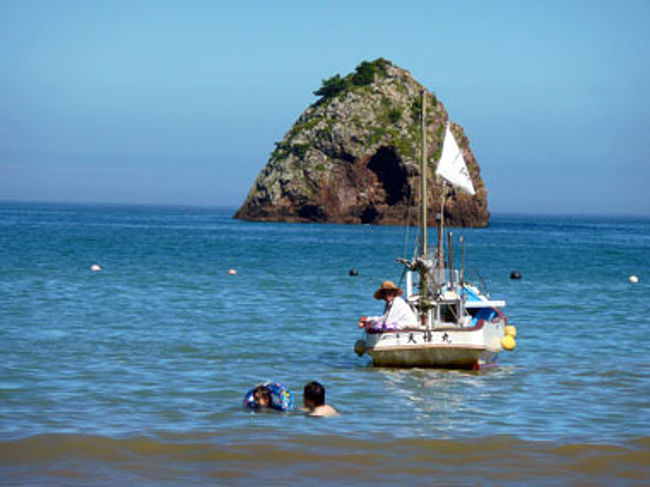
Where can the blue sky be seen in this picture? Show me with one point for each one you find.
(181, 102)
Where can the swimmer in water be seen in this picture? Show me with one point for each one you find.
(314, 400)
(269, 395)
(262, 397)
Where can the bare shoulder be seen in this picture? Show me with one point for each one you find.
(324, 410)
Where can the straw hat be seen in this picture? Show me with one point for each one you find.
(387, 286)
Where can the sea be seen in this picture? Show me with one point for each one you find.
(135, 374)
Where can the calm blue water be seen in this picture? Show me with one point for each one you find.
(136, 373)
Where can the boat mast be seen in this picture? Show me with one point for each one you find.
(423, 174)
(423, 291)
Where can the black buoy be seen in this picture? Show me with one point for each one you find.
(353, 272)
(515, 275)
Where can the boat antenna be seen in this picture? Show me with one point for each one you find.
(441, 229)
(450, 249)
(462, 260)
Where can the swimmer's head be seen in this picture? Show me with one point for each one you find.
(262, 397)
(314, 395)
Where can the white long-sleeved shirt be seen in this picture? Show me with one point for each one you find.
(397, 315)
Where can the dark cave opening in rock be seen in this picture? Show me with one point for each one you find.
(312, 212)
(390, 171)
(369, 215)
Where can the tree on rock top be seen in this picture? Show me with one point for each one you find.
(363, 75)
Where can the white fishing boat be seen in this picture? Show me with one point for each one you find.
(459, 325)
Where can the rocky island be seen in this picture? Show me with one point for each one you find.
(352, 157)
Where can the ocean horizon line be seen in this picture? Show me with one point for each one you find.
(234, 207)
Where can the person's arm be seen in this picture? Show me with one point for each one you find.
(368, 321)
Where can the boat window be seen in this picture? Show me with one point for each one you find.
(449, 312)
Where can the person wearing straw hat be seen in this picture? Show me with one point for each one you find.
(397, 313)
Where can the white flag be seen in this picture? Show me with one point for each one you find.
(452, 166)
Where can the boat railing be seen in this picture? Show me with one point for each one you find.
(475, 279)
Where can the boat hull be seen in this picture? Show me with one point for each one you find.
(464, 348)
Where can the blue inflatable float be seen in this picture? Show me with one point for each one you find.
(281, 398)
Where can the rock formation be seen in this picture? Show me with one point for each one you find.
(353, 157)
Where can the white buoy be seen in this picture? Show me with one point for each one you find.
(634, 279)
(232, 272)
(95, 268)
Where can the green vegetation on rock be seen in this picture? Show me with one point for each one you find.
(363, 75)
